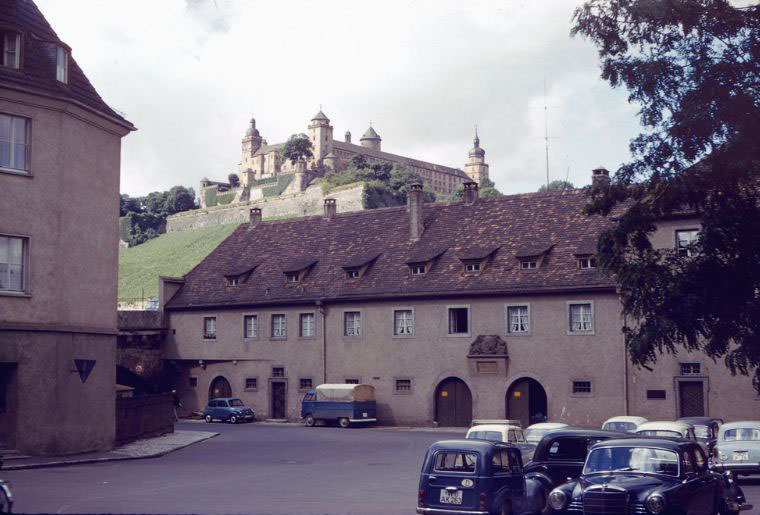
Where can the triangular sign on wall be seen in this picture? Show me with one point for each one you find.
(84, 367)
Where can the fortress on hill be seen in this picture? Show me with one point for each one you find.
(280, 188)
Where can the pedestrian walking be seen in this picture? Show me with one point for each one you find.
(176, 404)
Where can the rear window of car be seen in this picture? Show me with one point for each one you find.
(455, 461)
(659, 432)
(485, 435)
(741, 433)
(568, 449)
(623, 427)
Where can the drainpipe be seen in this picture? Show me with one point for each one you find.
(625, 371)
(323, 313)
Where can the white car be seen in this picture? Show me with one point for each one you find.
(623, 424)
(535, 432)
(502, 431)
(667, 428)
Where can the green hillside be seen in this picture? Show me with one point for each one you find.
(174, 254)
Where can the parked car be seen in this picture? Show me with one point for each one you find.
(668, 429)
(706, 431)
(475, 477)
(560, 455)
(623, 424)
(227, 409)
(502, 431)
(738, 447)
(658, 476)
(342, 403)
(535, 432)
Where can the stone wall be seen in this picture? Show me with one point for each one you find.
(306, 203)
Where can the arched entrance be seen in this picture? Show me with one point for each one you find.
(453, 403)
(220, 387)
(526, 402)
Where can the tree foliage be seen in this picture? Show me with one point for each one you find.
(296, 148)
(693, 69)
(557, 185)
(486, 188)
(147, 215)
(386, 184)
(234, 180)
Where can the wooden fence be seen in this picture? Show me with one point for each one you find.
(143, 416)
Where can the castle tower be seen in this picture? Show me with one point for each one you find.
(321, 135)
(250, 144)
(371, 139)
(476, 167)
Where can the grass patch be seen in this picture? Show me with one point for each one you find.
(174, 253)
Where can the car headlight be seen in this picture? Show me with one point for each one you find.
(655, 503)
(723, 457)
(557, 499)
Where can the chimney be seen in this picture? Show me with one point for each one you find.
(470, 192)
(330, 208)
(414, 206)
(600, 177)
(348, 136)
(254, 216)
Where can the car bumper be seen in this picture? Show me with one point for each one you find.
(742, 467)
(441, 511)
(354, 420)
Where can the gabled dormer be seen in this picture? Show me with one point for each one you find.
(295, 271)
(533, 257)
(357, 266)
(421, 260)
(475, 259)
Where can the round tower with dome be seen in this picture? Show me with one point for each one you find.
(476, 167)
(321, 136)
(371, 139)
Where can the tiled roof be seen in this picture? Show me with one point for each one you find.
(508, 222)
(370, 134)
(38, 61)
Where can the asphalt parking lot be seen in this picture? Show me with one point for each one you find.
(251, 468)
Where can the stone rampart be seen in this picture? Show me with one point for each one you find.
(305, 203)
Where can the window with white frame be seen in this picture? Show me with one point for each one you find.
(528, 264)
(11, 48)
(62, 65)
(352, 323)
(459, 320)
(586, 262)
(14, 142)
(353, 273)
(12, 261)
(472, 266)
(685, 241)
(279, 328)
(581, 317)
(250, 326)
(306, 325)
(292, 277)
(518, 319)
(209, 328)
(417, 269)
(403, 322)
(691, 368)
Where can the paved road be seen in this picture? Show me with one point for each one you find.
(250, 468)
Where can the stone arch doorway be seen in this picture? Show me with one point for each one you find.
(453, 403)
(526, 402)
(220, 387)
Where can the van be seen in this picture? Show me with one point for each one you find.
(345, 404)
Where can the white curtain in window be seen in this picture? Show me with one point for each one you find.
(353, 324)
(581, 318)
(13, 142)
(278, 325)
(518, 319)
(404, 322)
(251, 326)
(307, 324)
(11, 264)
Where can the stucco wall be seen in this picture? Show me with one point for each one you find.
(308, 202)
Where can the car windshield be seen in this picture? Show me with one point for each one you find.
(623, 427)
(632, 459)
(236, 402)
(741, 433)
(534, 435)
(485, 435)
(702, 431)
(455, 461)
(659, 432)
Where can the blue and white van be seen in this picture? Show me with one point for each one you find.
(345, 404)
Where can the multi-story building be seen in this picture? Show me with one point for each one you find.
(59, 185)
(488, 307)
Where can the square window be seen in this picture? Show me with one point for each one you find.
(459, 321)
(306, 325)
(209, 328)
(656, 394)
(279, 327)
(403, 322)
(518, 319)
(403, 385)
(192, 382)
(581, 386)
(352, 323)
(586, 263)
(305, 383)
(13, 252)
(685, 241)
(528, 264)
(233, 281)
(353, 273)
(472, 267)
(690, 369)
(251, 383)
(292, 277)
(278, 371)
(352, 380)
(417, 269)
(581, 318)
(11, 48)
(250, 326)
(14, 142)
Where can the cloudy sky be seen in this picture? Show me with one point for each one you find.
(190, 74)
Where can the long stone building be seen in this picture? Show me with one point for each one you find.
(488, 307)
(60, 150)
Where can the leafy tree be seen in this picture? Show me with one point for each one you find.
(693, 69)
(234, 180)
(128, 204)
(386, 184)
(155, 203)
(557, 185)
(179, 199)
(359, 162)
(296, 148)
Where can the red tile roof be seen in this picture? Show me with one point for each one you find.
(508, 222)
(38, 61)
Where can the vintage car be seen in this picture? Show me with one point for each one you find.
(668, 429)
(476, 477)
(648, 476)
(535, 432)
(623, 424)
(229, 409)
(342, 403)
(502, 431)
(706, 431)
(738, 447)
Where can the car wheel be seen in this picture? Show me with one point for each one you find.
(233, 419)
(208, 419)
(343, 422)
(309, 421)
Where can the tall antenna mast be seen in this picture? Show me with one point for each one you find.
(546, 135)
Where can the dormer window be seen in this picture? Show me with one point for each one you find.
(359, 265)
(239, 275)
(62, 65)
(353, 273)
(11, 48)
(297, 269)
(475, 259)
(418, 269)
(233, 281)
(292, 277)
(472, 267)
(533, 257)
(587, 262)
(528, 264)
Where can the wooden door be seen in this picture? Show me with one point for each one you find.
(691, 399)
(453, 403)
(526, 401)
(278, 399)
(220, 387)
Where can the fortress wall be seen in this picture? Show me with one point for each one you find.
(305, 203)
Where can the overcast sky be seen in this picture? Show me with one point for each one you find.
(190, 74)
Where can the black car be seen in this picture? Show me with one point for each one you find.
(648, 476)
(706, 431)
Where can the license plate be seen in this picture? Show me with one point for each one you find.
(451, 497)
(741, 455)
(364, 415)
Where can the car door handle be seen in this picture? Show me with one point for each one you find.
(432, 478)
